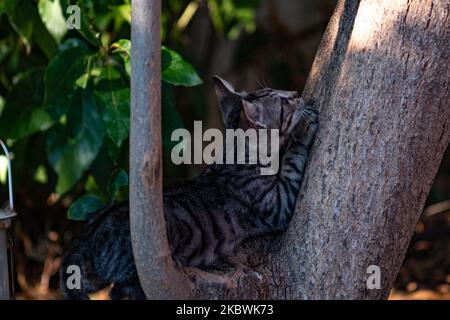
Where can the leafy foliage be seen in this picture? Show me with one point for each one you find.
(176, 71)
(82, 207)
(117, 183)
(74, 145)
(70, 90)
(230, 18)
(23, 114)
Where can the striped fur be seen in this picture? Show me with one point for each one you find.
(209, 216)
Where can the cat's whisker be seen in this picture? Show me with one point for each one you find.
(309, 114)
(306, 114)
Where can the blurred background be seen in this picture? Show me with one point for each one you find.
(64, 114)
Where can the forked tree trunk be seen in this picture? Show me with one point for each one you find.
(380, 79)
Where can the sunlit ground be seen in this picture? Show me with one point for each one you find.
(443, 293)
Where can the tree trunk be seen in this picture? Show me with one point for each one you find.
(380, 79)
(385, 124)
(155, 267)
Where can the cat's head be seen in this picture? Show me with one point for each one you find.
(263, 109)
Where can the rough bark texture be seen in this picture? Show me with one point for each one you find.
(380, 79)
(385, 124)
(148, 232)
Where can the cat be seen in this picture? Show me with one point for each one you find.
(209, 216)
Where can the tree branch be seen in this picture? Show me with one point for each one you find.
(157, 273)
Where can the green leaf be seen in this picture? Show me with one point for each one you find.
(171, 119)
(82, 81)
(23, 113)
(91, 187)
(124, 11)
(113, 94)
(86, 29)
(2, 104)
(91, 61)
(176, 71)
(113, 150)
(5, 49)
(216, 16)
(6, 5)
(82, 207)
(102, 167)
(61, 76)
(22, 18)
(44, 39)
(72, 148)
(118, 180)
(53, 18)
(123, 47)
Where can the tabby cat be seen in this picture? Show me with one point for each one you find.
(209, 216)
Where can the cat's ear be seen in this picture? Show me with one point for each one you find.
(229, 102)
(253, 114)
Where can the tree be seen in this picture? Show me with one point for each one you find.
(380, 79)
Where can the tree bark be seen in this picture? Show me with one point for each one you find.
(380, 79)
(155, 267)
(385, 124)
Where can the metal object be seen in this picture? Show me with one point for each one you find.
(6, 215)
